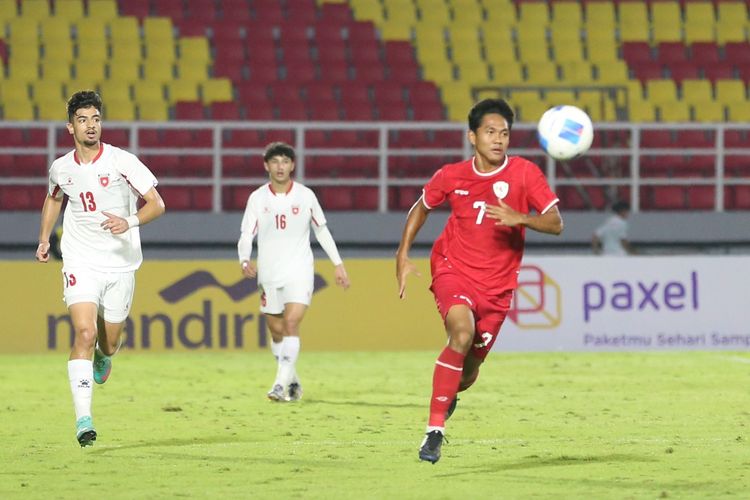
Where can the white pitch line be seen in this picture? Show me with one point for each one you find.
(737, 359)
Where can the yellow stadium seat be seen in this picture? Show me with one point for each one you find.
(24, 54)
(601, 47)
(46, 90)
(666, 21)
(163, 52)
(23, 71)
(401, 12)
(634, 24)
(192, 71)
(102, 10)
(195, 49)
(465, 45)
(694, 91)
(498, 45)
(674, 111)
(146, 91)
(123, 52)
(530, 13)
(508, 73)
(439, 70)
(91, 71)
(93, 53)
(556, 97)
(90, 32)
(115, 90)
(577, 72)
(56, 70)
(368, 10)
(600, 15)
(154, 111)
(739, 111)
(567, 14)
(18, 110)
(8, 11)
(124, 31)
(58, 51)
(76, 84)
(731, 22)
(157, 71)
(542, 73)
(466, 13)
(396, 31)
(661, 91)
(531, 111)
(567, 51)
(70, 10)
(532, 53)
(473, 72)
(125, 71)
(55, 30)
(612, 73)
(633, 92)
(708, 112)
(728, 91)
(216, 90)
(51, 109)
(118, 110)
(598, 104)
(641, 111)
(15, 90)
(35, 9)
(23, 31)
(700, 22)
(433, 12)
(158, 30)
(182, 90)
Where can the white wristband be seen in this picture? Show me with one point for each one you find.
(132, 221)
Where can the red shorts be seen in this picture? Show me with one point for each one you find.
(450, 289)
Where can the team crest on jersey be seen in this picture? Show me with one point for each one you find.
(295, 210)
(104, 180)
(500, 188)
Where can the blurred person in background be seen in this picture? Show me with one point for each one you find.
(280, 213)
(611, 238)
(476, 259)
(100, 245)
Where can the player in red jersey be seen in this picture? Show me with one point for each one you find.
(476, 259)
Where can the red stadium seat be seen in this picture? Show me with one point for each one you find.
(680, 71)
(671, 53)
(169, 8)
(137, 8)
(739, 198)
(149, 138)
(22, 197)
(701, 197)
(704, 53)
(324, 110)
(235, 197)
(189, 111)
(335, 197)
(663, 198)
(366, 198)
(636, 53)
(226, 111)
(737, 53)
(718, 71)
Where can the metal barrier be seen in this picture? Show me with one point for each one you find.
(616, 163)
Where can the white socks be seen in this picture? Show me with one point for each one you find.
(81, 377)
(288, 354)
(276, 348)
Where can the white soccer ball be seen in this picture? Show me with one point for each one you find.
(565, 132)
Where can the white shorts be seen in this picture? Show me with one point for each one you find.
(273, 299)
(111, 292)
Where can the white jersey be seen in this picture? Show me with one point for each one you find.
(112, 182)
(282, 223)
(611, 234)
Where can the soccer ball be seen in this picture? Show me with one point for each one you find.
(565, 132)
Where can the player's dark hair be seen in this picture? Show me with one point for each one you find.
(621, 206)
(83, 99)
(278, 149)
(488, 106)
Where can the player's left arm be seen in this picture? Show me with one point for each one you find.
(325, 238)
(152, 209)
(549, 222)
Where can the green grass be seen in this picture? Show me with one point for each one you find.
(664, 425)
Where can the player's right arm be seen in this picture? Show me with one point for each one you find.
(248, 230)
(50, 213)
(414, 222)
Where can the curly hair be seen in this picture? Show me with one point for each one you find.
(83, 99)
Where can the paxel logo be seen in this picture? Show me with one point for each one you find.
(623, 296)
(173, 320)
(537, 302)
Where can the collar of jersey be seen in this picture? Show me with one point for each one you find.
(487, 174)
(98, 155)
(270, 188)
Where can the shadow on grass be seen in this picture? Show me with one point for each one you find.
(362, 403)
(174, 442)
(539, 462)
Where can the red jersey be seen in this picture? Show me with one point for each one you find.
(488, 255)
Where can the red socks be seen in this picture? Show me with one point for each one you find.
(445, 380)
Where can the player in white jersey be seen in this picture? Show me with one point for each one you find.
(101, 245)
(281, 213)
(611, 238)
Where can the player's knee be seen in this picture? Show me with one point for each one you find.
(291, 326)
(86, 336)
(460, 340)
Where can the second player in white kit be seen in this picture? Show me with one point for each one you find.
(281, 213)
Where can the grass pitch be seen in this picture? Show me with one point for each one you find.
(663, 425)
